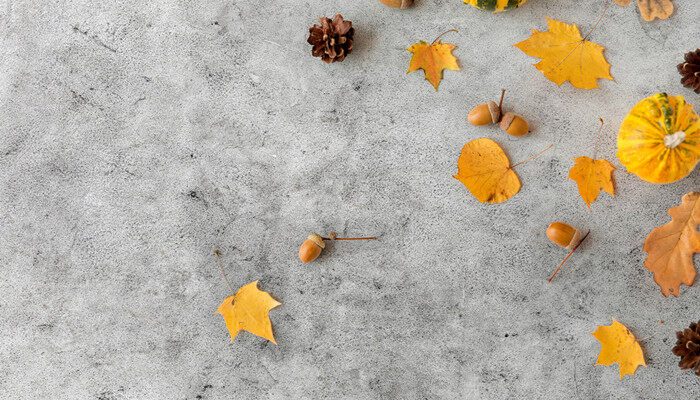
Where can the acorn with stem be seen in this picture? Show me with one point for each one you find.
(314, 244)
(491, 113)
(566, 236)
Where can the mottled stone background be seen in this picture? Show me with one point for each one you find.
(139, 136)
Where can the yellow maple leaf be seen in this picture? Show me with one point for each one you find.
(485, 170)
(651, 9)
(248, 310)
(671, 247)
(432, 59)
(619, 345)
(567, 56)
(592, 176)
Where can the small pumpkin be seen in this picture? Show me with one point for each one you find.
(495, 5)
(659, 140)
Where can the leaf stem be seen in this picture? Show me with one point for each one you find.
(569, 255)
(536, 155)
(222, 271)
(595, 148)
(607, 3)
(584, 39)
(658, 329)
(440, 35)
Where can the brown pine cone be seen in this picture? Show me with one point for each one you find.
(688, 348)
(690, 69)
(332, 40)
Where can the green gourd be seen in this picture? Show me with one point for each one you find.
(495, 5)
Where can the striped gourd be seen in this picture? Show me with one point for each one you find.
(495, 5)
(659, 139)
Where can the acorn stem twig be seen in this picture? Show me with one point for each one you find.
(569, 255)
(355, 238)
(500, 103)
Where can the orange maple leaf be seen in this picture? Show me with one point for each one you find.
(432, 59)
(592, 176)
(651, 9)
(567, 56)
(619, 345)
(248, 310)
(671, 247)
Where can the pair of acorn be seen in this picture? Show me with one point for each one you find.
(491, 113)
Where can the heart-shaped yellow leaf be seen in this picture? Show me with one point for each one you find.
(485, 170)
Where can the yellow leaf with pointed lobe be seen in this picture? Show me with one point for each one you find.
(485, 170)
(566, 56)
(432, 59)
(671, 247)
(248, 310)
(592, 176)
(619, 345)
(651, 9)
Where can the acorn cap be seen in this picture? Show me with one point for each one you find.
(316, 238)
(494, 110)
(507, 120)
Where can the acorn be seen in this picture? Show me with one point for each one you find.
(564, 235)
(311, 248)
(514, 124)
(314, 244)
(484, 114)
(402, 4)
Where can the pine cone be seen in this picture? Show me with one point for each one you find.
(688, 348)
(332, 40)
(690, 70)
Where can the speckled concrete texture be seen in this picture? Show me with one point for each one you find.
(139, 136)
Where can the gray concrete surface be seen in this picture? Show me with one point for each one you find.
(139, 136)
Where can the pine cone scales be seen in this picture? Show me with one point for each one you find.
(688, 348)
(690, 69)
(332, 40)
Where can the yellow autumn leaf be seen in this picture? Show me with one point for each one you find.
(432, 59)
(619, 345)
(248, 310)
(592, 176)
(651, 9)
(567, 56)
(670, 248)
(485, 170)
